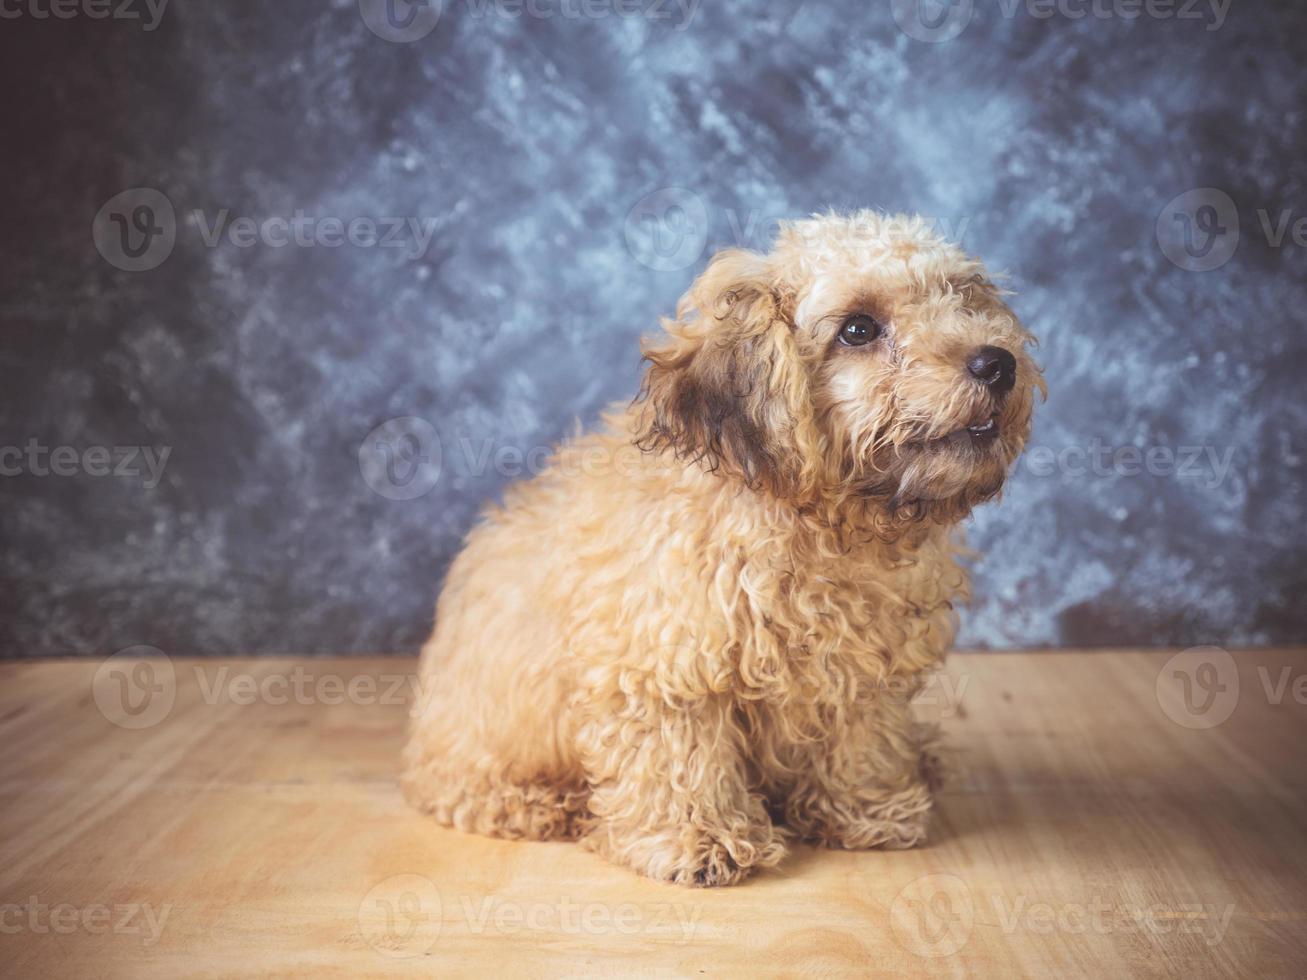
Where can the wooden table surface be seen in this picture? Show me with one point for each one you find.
(1111, 814)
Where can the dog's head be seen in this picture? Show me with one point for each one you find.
(864, 358)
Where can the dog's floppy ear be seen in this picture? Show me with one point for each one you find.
(727, 386)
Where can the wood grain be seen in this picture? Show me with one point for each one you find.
(255, 828)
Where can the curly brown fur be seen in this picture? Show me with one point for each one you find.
(696, 634)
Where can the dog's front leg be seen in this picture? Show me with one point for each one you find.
(867, 784)
(671, 797)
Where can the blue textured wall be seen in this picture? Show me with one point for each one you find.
(527, 146)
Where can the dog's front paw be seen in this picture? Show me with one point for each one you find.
(715, 868)
(698, 858)
(722, 860)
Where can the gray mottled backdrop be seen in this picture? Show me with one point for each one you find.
(563, 170)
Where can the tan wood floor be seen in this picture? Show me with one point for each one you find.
(1111, 814)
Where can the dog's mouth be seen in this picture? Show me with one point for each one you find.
(982, 431)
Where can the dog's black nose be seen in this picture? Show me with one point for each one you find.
(994, 367)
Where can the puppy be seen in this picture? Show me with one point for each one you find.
(695, 635)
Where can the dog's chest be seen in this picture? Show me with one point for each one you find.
(862, 613)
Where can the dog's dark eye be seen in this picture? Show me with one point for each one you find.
(859, 329)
